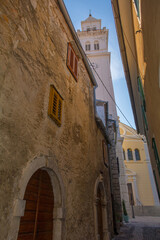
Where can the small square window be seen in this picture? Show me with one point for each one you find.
(55, 105)
(72, 62)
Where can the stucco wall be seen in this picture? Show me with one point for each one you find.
(140, 168)
(150, 24)
(33, 50)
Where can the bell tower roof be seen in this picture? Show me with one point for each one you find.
(90, 19)
(91, 23)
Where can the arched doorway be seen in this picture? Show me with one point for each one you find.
(99, 213)
(37, 222)
(100, 210)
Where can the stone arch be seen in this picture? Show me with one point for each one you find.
(100, 202)
(48, 164)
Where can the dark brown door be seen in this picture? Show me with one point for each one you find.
(99, 213)
(37, 223)
(130, 192)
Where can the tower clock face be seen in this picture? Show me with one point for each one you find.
(94, 65)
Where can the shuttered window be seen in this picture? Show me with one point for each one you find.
(55, 105)
(156, 184)
(156, 155)
(72, 61)
(144, 117)
(140, 89)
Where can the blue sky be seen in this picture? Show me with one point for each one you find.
(102, 9)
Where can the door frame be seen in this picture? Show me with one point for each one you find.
(100, 183)
(48, 164)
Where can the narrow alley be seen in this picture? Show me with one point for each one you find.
(140, 228)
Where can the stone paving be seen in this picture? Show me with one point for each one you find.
(140, 228)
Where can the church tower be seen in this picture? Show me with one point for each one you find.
(94, 41)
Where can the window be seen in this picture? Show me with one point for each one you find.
(156, 184)
(87, 46)
(156, 155)
(140, 89)
(72, 61)
(130, 155)
(55, 105)
(124, 154)
(144, 117)
(137, 154)
(88, 29)
(94, 28)
(96, 45)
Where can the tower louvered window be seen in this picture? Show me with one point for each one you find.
(55, 105)
(72, 61)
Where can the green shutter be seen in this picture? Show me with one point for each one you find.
(144, 117)
(140, 89)
(156, 154)
(156, 183)
(155, 150)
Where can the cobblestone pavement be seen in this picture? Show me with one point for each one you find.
(140, 228)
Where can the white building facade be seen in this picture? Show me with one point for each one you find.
(94, 40)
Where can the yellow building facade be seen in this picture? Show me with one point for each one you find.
(140, 179)
(137, 24)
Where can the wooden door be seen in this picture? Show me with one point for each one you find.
(37, 223)
(130, 192)
(99, 214)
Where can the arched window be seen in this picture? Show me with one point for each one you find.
(137, 154)
(96, 45)
(130, 155)
(88, 46)
(124, 154)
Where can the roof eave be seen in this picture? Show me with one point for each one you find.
(76, 39)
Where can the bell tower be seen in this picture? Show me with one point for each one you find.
(94, 40)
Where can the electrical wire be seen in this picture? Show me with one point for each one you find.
(112, 97)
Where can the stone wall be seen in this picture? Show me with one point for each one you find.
(115, 187)
(33, 51)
